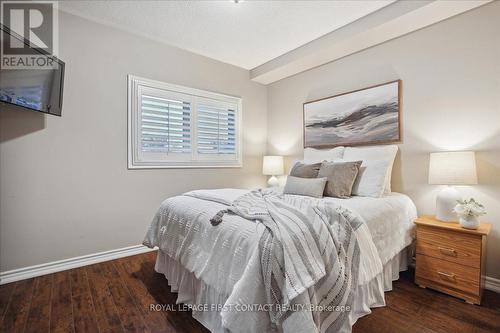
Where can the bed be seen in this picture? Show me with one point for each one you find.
(209, 266)
(194, 258)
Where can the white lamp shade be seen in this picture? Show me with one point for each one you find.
(272, 165)
(453, 168)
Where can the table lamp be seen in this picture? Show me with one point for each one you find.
(272, 166)
(451, 168)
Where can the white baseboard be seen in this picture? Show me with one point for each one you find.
(61, 265)
(492, 284)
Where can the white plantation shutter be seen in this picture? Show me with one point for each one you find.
(216, 129)
(175, 126)
(165, 125)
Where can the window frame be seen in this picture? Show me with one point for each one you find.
(196, 160)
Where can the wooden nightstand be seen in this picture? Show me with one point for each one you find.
(451, 259)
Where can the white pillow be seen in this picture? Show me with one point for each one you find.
(366, 154)
(312, 155)
(370, 181)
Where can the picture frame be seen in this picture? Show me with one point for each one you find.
(367, 116)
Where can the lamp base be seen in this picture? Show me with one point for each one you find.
(273, 181)
(446, 200)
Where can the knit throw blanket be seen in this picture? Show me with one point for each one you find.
(307, 243)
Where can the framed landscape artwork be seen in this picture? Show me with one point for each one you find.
(361, 117)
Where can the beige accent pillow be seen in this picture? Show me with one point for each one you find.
(311, 187)
(341, 177)
(303, 170)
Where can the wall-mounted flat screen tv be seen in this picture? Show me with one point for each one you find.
(34, 89)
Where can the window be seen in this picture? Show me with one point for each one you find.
(175, 127)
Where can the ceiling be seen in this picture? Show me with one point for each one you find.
(246, 34)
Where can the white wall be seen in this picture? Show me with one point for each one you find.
(451, 101)
(65, 187)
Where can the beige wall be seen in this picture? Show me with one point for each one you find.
(451, 101)
(65, 187)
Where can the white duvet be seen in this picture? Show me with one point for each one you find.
(219, 256)
(390, 220)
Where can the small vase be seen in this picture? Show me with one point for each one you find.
(469, 222)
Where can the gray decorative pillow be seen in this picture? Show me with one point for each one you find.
(303, 170)
(311, 187)
(341, 177)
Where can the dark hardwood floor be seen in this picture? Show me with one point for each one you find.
(115, 296)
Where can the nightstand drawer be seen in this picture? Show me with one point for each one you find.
(432, 272)
(461, 248)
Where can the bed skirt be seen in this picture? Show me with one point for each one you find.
(193, 291)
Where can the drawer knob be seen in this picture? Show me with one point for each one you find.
(447, 276)
(447, 251)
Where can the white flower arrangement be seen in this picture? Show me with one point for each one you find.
(469, 207)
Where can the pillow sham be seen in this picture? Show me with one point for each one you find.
(340, 178)
(366, 154)
(313, 155)
(311, 187)
(303, 170)
(371, 179)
